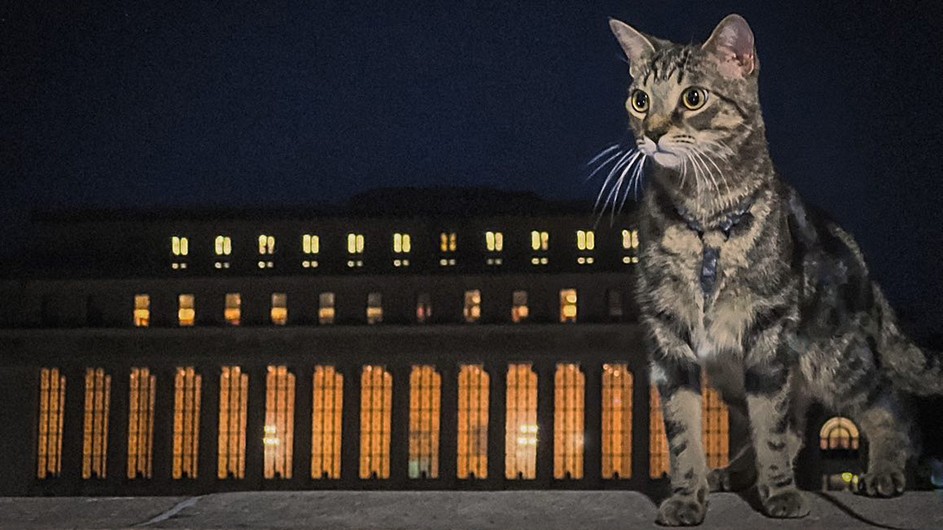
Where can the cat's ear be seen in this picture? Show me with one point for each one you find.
(732, 45)
(637, 47)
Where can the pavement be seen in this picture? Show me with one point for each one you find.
(413, 510)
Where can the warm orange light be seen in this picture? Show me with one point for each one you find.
(278, 440)
(97, 405)
(233, 408)
(616, 432)
(425, 391)
(187, 388)
(51, 414)
(521, 430)
(326, 423)
(568, 428)
(473, 402)
(376, 405)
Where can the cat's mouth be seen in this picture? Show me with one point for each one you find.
(662, 154)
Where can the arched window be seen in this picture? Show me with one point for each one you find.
(839, 433)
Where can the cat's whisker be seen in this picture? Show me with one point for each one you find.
(633, 182)
(615, 197)
(602, 165)
(612, 172)
(602, 153)
(704, 156)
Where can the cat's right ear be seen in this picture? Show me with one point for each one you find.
(637, 47)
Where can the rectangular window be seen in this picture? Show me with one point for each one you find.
(279, 427)
(568, 413)
(630, 246)
(266, 245)
(51, 414)
(423, 308)
(448, 244)
(141, 423)
(142, 310)
(310, 247)
(97, 405)
(519, 310)
(355, 244)
(568, 305)
(585, 240)
(374, 308)
(614, 299)
(180, 246)
(425, 391)
(616, 421)
(326, 423)
(233, 407)
(223, 245)
(472, 310)
(187, 387)
(494, 241)
(279, 311)
(186, 313)
(521, 430)
(233, 311)
(401, 245)
(376, 405)
(473, 401)
(715, 426)
(326, 308)
(540, 244)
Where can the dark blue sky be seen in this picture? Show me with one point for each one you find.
(241, 104)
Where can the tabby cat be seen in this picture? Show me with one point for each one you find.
(741, 279)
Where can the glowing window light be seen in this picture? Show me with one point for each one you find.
(95, 442)
(617, 384)
(448, 242)
(568, 427)
(310, 244)
(585, 240)
(142, 310)
(473, 402)
(232, 313)
(374, 308)
(568, 305)
(519, 310)
(326, 423)
(355, 243)
(143, 387)
(521, 430)
(51, 415)
(494, 241)
(630, 239)
(425, 391)
(839, 433)
(472, 309)
(223, 245)
(326, 308)
(278, 440)
(233, 408)
(376, 405)
(186, 447)
(180, 246)
(402, 243)
(266, 245)
(423, 308)
(539, 240)
(279, 312)
(186, 313)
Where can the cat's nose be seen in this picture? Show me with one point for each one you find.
(656, 134)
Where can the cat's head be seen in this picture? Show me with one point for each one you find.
(688, 101)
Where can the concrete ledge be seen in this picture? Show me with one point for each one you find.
(543, 510)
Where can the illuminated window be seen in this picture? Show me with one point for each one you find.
(568, 414)
(401, 245)
(142, 310)
(180, 248)
(540, 244)
(222, 246)
(279, 312)
(186, 313)
(839, 434)
(423, 308)
(266, 250)
(494, 242)
(658, 460)
(448, 244)
(51, 414)
(616, 421)
(714, 429)
(95, 442)
(141, 423)
(279, 427)
(233, 407)
(326, 308)
(568, 305)
(355, 250)
(376, 405)
(233, 311)
(630, 246)
(374, 308)
(425, 391)
(519, 310)
(187, 387)
(473, 400)
(520, 435)
(310, 247)
(614, 303)
(472, 310)
(326, 423)
(586, 243)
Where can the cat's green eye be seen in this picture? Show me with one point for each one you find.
(639, 101)
(694, 98)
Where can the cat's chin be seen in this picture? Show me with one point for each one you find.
(667, 160)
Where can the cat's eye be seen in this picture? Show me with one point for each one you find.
(639, 101)
(694, 98)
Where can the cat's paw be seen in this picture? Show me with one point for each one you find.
(681, 510)
(786, 504)
(882, 484)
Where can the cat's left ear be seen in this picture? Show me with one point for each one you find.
(733, 46)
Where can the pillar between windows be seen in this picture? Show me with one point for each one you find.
(164, 425)
(592, 422)
(304, 409)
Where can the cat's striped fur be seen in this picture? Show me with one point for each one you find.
(741, 279)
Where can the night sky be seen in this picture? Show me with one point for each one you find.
(245, 105)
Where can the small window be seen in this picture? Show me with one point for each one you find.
(142, 310)
(423, 308)
(472, 311)
(180, 246)
(326, 308)
(540, 240)
(402, 244)
(233, 311)
(223, 245)
(355, 244)
(630, 246)
(585, 240)
(448, 244)
(568, 305)
(310, 247)
(615, 304)
(519, 310)
(494, 241)
(186, 312)
(374, 308)
(266, 245)
(279, 311)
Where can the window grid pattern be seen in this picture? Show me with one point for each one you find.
(326, 422)
(186, 312)
(95, 442)
(376, 403)
(425, 391)
(233, 407)
(187, 388)
(51, 414)
(520, 442)
(141, 423)
(568, 427)
(617, 386)
(142, 310)
(278, 441)
(473, 401)
(839, 433)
